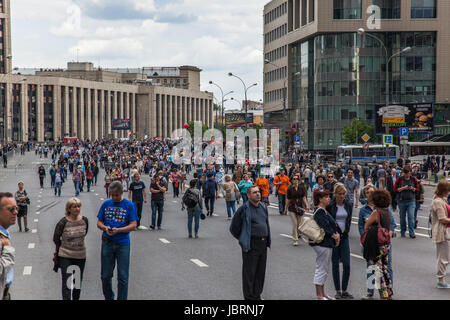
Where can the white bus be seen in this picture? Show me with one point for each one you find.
(419, 151)
(357, 153)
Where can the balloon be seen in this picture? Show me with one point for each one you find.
(186, 126)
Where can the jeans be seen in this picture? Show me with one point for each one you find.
(231, 205)
(244, 197)
(41, 181)
(65, 263)
(157, 205)
(209, 204)
(112, 252)
(176, 190)
(281, 202)
(58, 186)
(138, 206)
(193, 213)
(418, 204)
(407, 207)
(52, 181)
(77, 188)
(89, 182)
(341, 254)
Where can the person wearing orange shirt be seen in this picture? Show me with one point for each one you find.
(281, 182)
(263, 184)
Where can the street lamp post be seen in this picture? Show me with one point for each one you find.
(223, 96)
(245, 89)
(362, 32)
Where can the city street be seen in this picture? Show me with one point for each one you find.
(167, 265)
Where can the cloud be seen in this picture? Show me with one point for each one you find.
(124, 48)
(72, 26)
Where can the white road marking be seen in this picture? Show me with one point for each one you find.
(102, 199)
(216, 215)
(199, 263)
(27, 270)
(38, 206)
(356, 256)
(164, 240)
(96, 194)
(37, 212)
(31, 246)
(34, 231)
(174, 201)
(286, 236)
(36, 220)
(39, 201)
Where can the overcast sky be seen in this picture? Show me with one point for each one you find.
(217, 36)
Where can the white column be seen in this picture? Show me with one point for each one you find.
(95, 115)
(88, 115)
(56, 112)
(81, 105)
(40, 112)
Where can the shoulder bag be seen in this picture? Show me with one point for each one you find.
(310, 228)
(384, 237)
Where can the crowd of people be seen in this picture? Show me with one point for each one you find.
(307, 184)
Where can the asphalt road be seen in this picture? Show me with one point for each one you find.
(167, 265)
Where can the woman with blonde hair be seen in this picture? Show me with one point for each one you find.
(440, 226)
(341, 210)
(68, 237)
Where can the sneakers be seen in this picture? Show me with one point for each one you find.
(338, 295)
(346, 295)
(26, 229)
(295, 244)
(229, 218)
(368, 296)
(152, 227)
(190, 236)
(142, 228)
(416, 223)
(412, 236)
(196, 236)
(443, 285)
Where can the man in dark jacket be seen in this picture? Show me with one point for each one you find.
(250, 225)
(210, 193)
(390, 182)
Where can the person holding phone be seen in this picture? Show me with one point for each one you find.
(406, 187)
(116, 218)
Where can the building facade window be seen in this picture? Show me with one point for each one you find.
(275, 13)
(48, 113)
(390, 9)
(347, 9)
(423, 9)
(32, 112)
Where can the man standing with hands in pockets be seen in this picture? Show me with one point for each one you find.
(250, 225)
(116, 218)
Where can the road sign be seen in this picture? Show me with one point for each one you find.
(404, 131)
(388, 139)
(297, 139)
(366, 146)
(365, 137)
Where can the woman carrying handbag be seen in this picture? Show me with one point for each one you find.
(296, 205)
(376, 240)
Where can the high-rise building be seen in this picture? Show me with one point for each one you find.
(332, 74)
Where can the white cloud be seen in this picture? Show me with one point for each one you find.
(112, 49)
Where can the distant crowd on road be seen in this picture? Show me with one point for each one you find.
(330, 191)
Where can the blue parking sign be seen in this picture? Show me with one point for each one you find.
(404, 131)
(388, 139)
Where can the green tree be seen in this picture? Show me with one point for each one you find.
(353, 133)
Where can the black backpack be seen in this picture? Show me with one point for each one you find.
(190, 199)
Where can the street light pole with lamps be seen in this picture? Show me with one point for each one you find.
(223, 96)
(246, 101)
(362, 32)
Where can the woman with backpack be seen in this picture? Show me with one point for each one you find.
(68, 237)
(377, 242)
(193, 201)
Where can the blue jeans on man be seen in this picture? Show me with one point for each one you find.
(157, 205)
(77, 188)
(281, 202)
(209, 204)
(193, 214)
(112, 252)
(407, 208)
(58, 188)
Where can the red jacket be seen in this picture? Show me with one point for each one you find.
(398, 184)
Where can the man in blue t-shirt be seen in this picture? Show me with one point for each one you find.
(116, 218)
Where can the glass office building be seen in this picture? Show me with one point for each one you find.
(339, 77)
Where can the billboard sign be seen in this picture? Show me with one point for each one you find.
(237, 120)
(121, 124)
(416, 117)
